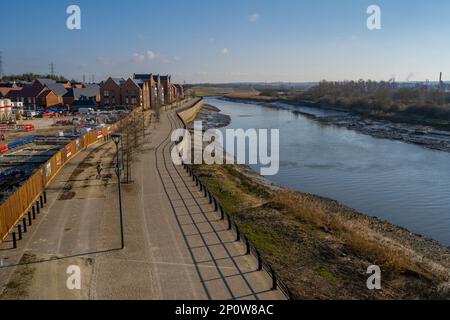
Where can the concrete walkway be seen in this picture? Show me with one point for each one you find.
(176, 247)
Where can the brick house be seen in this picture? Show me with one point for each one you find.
(27, 95)
(60, 91)
(151, 90)
(48, 98)
(180, 91)
(86, 95)
(131, 92)
(110, 91)
(166, 84)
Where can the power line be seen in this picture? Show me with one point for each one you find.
(52, 69)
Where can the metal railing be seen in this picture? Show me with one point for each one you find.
(263, 264)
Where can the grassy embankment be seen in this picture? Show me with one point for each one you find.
(320, 248)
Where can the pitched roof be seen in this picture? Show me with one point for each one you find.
(118, 81)
(4, 91)
(57, 88)
(46, 81)
(25, 92)
(44, 93)
(90, 91)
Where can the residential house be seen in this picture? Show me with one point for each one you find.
(131, 92)
(158, 91)
(180, 91)
(5, 88)
(27, 95)
(110, 91)
(150, 90)
(60, 91)
(166, 84)
(87, 96)
(48, 99)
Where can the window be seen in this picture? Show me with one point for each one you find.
(106, 94)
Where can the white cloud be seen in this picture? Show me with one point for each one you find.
(225, 51)
(255, 17)
(151, 55)
(104, 61)
(137, 58)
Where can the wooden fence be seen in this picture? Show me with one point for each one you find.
(18, 204)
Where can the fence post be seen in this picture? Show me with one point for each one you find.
(274, 278)
(210, 197)
(29, 218)
(41, 200)
(258, 255)
(19, 229)
(24, 222)
(34, 215)
(14, 240)
(45, 196)
(222, 213)
(229, 222)
(37, 207)
(216, 207)
(238, 232)
(247, 246)
(33, 209)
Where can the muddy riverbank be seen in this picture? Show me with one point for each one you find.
(322, 248)
(426, 136)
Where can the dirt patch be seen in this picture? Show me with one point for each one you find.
(83, 175)
(67, 195)
(322, 249)
(17, 287)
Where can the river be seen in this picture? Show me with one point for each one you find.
(402, 183)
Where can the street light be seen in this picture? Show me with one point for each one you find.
(117, 137)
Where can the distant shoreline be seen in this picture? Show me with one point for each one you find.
(422, 135)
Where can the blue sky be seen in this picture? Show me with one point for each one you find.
(229, 40)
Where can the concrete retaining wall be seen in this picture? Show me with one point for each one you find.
(189, 114)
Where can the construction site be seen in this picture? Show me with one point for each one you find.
(30, 144)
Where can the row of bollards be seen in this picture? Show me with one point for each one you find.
(28, 217)
(262, 263)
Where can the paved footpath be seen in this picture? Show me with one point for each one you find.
(176, 247)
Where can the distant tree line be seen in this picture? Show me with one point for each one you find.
(381, 98)
(29, 77)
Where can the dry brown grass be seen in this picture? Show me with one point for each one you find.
(355, 234)
(248, 95)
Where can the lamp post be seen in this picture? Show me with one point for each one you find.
(117, 137)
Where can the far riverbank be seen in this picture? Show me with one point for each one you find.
(428, 136)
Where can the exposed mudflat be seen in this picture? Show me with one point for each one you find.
(321, 248)
(424, 135)
(211, 118)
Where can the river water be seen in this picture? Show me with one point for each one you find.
(402, 183)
